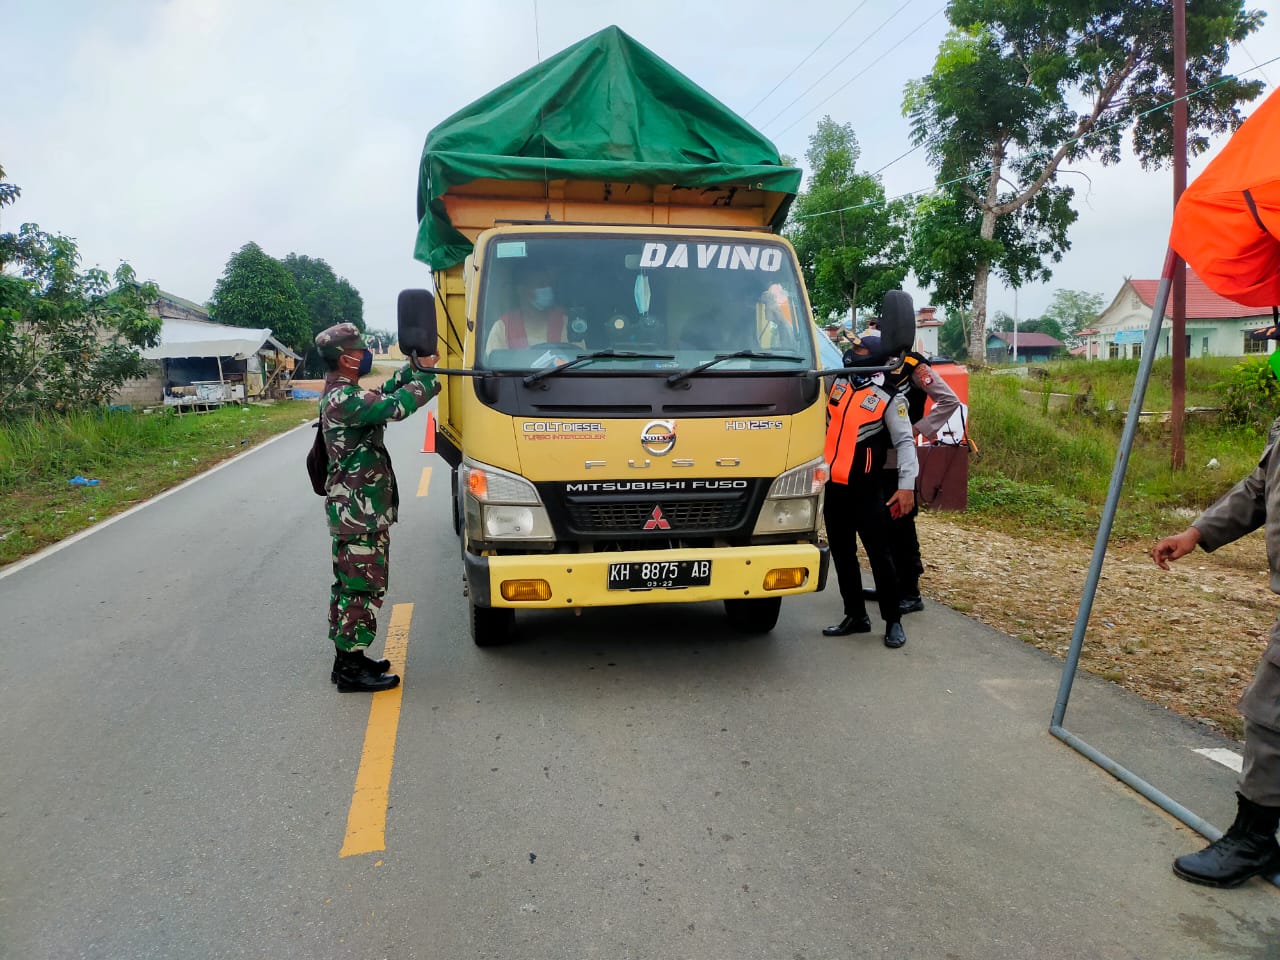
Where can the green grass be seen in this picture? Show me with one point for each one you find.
(133, 455)
(1042, 470)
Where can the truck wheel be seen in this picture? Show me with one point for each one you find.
(491, 626)
(756, 615)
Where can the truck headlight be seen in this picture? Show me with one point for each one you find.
(499, 505)
(795, 500)
(505, 521)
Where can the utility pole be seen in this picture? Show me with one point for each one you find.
(1015, 324)
(1178, 333)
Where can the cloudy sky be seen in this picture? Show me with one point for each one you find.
(168, 133)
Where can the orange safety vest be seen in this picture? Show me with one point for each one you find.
(518, 338)
(857, 439)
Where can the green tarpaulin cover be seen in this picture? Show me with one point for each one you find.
(606, 108)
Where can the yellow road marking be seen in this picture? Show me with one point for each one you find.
(424, 482)
(367, 819)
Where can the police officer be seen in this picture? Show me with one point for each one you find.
(361, 498)
(917, 382)
(866, 419)
(1249, 847)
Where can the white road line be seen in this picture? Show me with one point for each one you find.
(1228, 758)
(76, 537)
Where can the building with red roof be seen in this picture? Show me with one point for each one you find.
(1216, 326)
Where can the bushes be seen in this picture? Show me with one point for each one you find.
(1250, 394)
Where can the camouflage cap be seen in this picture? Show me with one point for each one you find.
(333, 341)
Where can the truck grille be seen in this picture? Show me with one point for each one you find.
(683, 516)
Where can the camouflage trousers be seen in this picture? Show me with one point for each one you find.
(360, 567)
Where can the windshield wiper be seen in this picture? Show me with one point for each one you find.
(533, 378)
(721, 357)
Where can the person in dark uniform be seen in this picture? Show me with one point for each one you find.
(1248, 848)
(918, 382)
(865, 421)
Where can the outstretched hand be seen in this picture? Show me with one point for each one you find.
(1175, 547)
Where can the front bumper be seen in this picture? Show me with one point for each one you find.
(582, 579)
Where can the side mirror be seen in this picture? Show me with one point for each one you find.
(897, 322)
(416, 322)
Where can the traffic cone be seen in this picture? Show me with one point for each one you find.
(429, 441)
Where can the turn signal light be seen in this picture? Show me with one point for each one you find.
(786, 578)
(526, 590)
(477, 483)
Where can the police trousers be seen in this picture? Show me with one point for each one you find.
(904, 544)
(1260, 705)
(853, 511)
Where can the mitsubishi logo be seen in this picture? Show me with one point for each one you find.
(657, 521)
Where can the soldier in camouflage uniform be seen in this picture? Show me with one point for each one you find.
(361, 497)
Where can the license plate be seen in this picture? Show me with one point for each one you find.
(659, 575)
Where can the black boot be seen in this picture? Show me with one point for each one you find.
(374, 667)
(894, 636)
(911, 603)
(847, 626)
(1247, 849)
(352, 674)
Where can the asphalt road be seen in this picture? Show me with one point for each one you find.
(177, 774)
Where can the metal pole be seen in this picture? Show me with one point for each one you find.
(1178, 331)
(1113, 494)
(1124, 775)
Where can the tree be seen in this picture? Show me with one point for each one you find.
(947, 246)
(328, 298)
(953, 335)
(999, 113)
(257, 291)
(850, 242)
(1073, 311)
(68, 339)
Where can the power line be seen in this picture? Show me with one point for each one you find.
(904, 6)
(920, 26)
(983, 171)
(806, 59)
(901, 156)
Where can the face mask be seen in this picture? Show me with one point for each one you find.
(543, 297)
(366, 363)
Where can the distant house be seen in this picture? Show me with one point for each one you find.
(1030, 347)
(927, 327)
(1089, 348)
(1216, 326)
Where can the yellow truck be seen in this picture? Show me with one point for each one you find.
(633, 410)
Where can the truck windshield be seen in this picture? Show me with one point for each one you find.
(546, 300)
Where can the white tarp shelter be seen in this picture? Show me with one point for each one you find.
(191, 352)
(180, 337)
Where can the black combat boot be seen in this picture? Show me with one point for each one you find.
(1247, 849)
(374, 667)
(352, 673)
